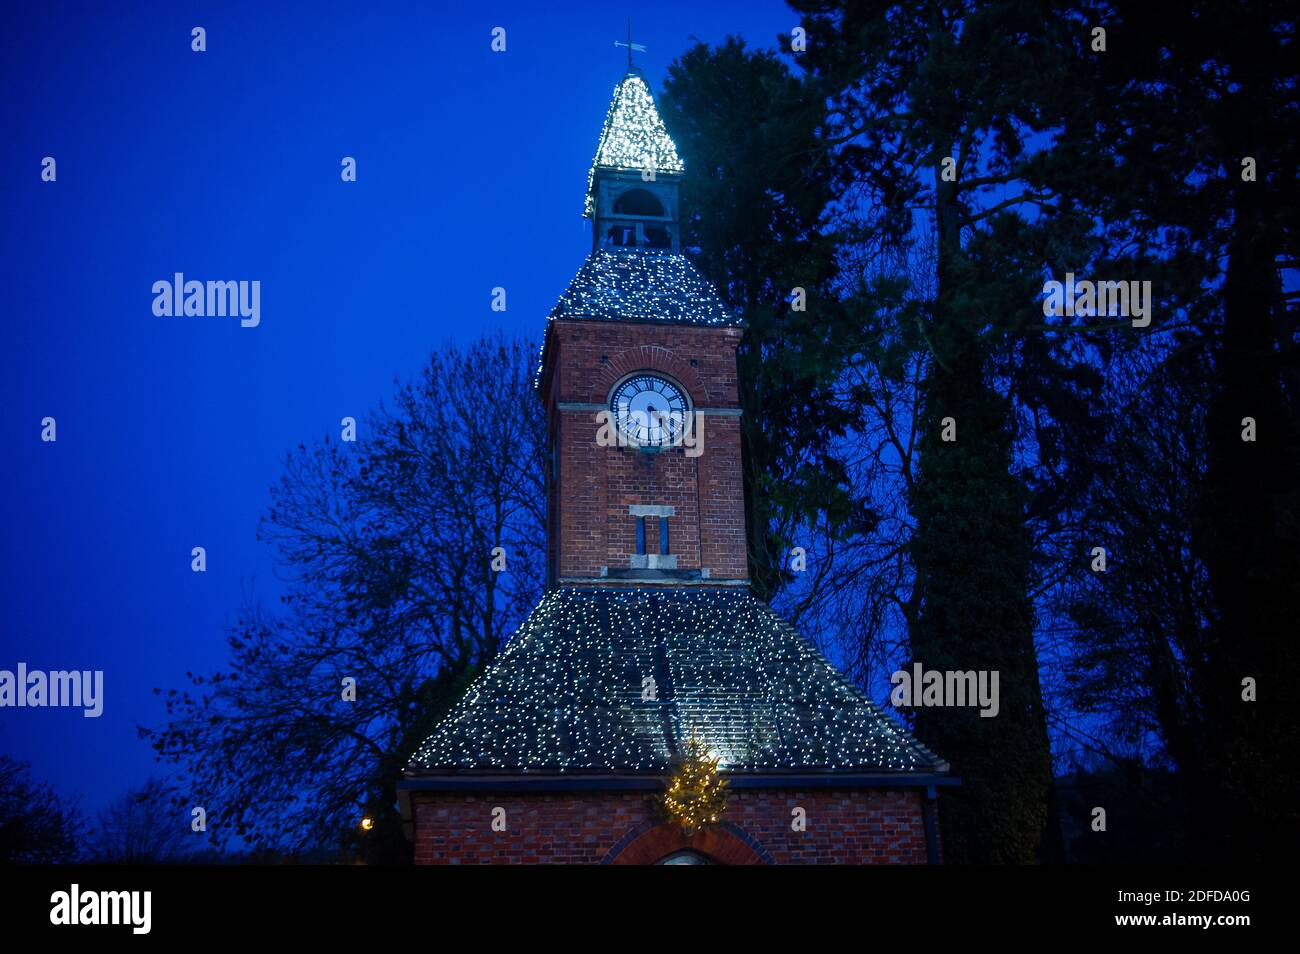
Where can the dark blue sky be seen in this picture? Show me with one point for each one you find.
(225, 165)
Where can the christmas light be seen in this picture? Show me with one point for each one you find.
(633, 138)
(736, 687)
(696, 795)
(635, 283)
(641, 284)
(566, 693)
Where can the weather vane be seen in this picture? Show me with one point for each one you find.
(630, 45)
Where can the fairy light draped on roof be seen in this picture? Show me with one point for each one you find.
(633, 138)
(567, 694)
(638, 284)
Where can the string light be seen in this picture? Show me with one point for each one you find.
(635, 283)
(638, 284)
(641, 284)
(633, 138)
(566, 693)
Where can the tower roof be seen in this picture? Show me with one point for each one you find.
(641, 284)
(633, 138)
(569, 694)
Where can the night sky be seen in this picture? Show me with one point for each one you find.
(225, 165)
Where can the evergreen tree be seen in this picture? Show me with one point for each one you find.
(695, 795)
(1193, 149)
(755, 194)
(942, 118)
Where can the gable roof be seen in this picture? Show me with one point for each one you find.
(641, 284)
(568, 694)
(633, 138)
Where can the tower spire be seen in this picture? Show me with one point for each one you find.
(632, 185)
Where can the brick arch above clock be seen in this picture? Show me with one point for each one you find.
(646, 357)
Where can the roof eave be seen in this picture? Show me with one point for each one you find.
(501, 781)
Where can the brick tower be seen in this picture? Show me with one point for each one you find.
(648, 631)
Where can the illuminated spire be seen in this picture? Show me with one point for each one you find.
(633, 138)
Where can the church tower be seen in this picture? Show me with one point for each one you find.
(639, 383)
(648, 633)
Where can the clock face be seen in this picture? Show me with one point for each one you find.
(650, 411)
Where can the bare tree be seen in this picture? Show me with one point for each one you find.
(142, 827)
(857, 593)
(393, 600)
(36, 826)
(1130, 640)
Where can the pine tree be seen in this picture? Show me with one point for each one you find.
(1193, 150)
(755, 195)
(696, 795)
(941, 116)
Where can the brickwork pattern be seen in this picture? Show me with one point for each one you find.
(844, 826)
(594, 485)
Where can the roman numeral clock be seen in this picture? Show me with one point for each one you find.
(650, 411)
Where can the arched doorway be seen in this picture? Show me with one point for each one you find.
(665, 843)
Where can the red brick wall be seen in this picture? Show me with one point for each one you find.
(595, 485)
(875, 826)
(584, 359)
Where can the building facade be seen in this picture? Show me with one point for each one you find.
(648, 631)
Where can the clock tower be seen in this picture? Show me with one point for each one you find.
(648, 634)
(638, 384)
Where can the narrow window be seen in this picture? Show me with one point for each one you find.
(640, 536)
(663, 535)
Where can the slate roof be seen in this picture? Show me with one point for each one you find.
(641, 284)
(567, 693)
